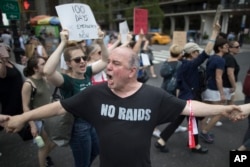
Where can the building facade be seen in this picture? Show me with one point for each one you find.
(181, 15)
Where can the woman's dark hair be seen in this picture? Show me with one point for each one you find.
(219, 43)
(31, 64)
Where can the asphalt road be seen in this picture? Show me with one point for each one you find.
(17, 153)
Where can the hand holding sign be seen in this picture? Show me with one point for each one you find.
(79, 20)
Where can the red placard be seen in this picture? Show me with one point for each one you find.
(140, 20)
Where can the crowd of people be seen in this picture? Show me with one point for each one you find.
(109, 111)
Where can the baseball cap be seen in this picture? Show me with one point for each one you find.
(191, 46)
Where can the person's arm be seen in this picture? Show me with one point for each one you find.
(129, 39)
(201, 109)
(137, 46)
(116, 43)
(145, 46)
(16, 123)
(102, 63)
(231, 77)
(219, 83)
(50, 68)
(211, 41)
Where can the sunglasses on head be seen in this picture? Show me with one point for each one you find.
(78, 59)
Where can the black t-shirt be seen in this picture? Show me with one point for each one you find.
(230, 62)
(124, 125)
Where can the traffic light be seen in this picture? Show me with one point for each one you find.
(28, 5)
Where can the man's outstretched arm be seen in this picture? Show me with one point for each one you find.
(15, 123)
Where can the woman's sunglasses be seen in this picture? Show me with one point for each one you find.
(78, 59)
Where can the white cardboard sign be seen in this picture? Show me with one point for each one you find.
(79, 20)
(124, 30)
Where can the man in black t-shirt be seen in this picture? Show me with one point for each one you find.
(124, 111)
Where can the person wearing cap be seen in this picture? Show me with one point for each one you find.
(188, 84)
(214, 93)
(167, 71)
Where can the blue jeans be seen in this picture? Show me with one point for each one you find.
(84, 143)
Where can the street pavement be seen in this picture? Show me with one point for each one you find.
(16, 153)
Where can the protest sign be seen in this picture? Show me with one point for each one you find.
(124, 30)
(180, 38)
(140, 20)
(79, 20)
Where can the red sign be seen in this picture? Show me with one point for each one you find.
(140, 20)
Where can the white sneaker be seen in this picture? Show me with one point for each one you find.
(218, 123)
(157, 133)
(181, 129)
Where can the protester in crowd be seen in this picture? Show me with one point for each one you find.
(214, 93)
(7, 38)
(36, 93)
(11, 81)
(240, 37)
(39, 47)
(189, 87)
(94, 54)
(84, 142)
(167, 71)
(123, 113)
(245, 146)
(146, 48)
(231, 71)
(63, 64)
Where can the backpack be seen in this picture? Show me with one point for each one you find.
(202, 78)
(203, 84)
(246, 84)
(172, 84)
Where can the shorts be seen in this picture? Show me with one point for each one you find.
(211, 95)
(228, 94)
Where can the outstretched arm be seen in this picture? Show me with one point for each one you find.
(202, 109)
(16, 123)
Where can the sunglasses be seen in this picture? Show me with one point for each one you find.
(78, 59)
(235, 47)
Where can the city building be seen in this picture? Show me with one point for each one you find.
(184, 15)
